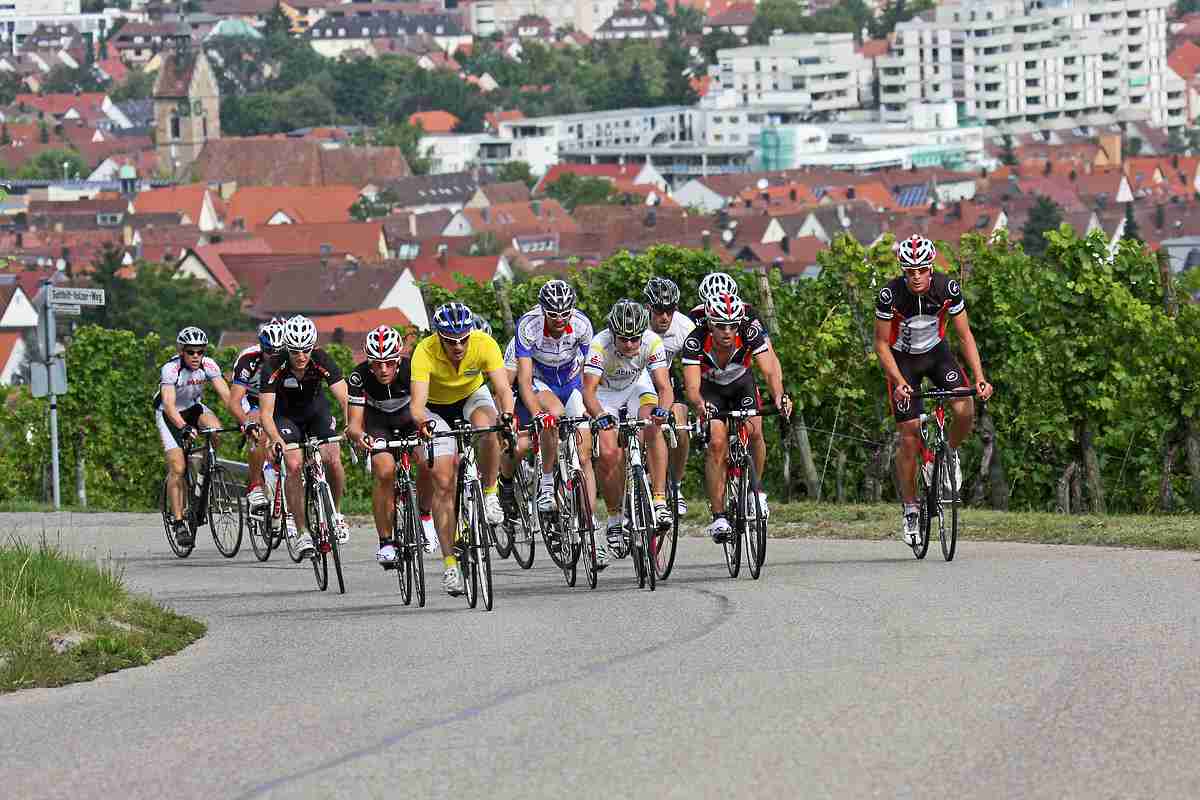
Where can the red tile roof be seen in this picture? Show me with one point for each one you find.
(511, 219)
(494, 118)
(434, 121)
(187, 199)
(610, 172)
(59, 104)
(255, 205)
(873, 48)
(1060, 191)
(362, 322)
(1185, 60)
(213, 257)
(8, 344)
(737, 14)
(297, 162)
(441, 270)
(361, 239)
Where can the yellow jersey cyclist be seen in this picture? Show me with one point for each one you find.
(447, 384)
(627, 368)
(293, 407)
(718, 358)
(178, 412)
(662, 298)
(911, 316)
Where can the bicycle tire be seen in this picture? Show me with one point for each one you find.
(222, 496)
(502, 538)
(949, 535)
(928, 508)
(524, 537)
(258, 531)
(331, 535)
(649, 530)
(587, 530)
(481, 553)
(564, 496)
(756, 527)
(400, 541)
(734, 511)
(180, 551)
(462, 541)
(320, 565)
(666, 542)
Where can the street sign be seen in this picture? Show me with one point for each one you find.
(75, 295)
(43, 380)
(73, 310)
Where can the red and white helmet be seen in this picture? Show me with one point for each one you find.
(725, 308)
(915, 251)
(383, 344)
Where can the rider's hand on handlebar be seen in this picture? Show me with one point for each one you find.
(902, 393)
(425, 429)
(187, 433)
(660, 414)
(983, 389)
(544, 420)
(604, 422)
(784, 404)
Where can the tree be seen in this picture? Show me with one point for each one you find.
(772, 15)
(897, 11)
(10, 86)
(5, 137)
(1134, 145)
(717, 40)
(1007, 155)
(1185, 7)
(48, 166)
(1044, 216)
(572, 191)
(686, 20)
(1176, 143)
(485, 243)
(66, 80)
(1131, 227)
(43, 132)
(408, 138)
(513, 171)
(138, 85)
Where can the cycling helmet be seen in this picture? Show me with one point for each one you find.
(383, 344)
(915, 251)
(453, 319)
(482, 324)
(270, 335)
(628, 318)
(661, 293)
(557, 297)
(299, 333)
(725, 309)
(193, 336)
(716, 284)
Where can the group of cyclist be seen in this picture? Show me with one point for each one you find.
(555, 366)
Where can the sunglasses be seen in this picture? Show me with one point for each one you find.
(374, 363)
(662, 309)
(189, 351)
(558, 316)
(725, 326)
(628, 339)
(913, 272)
(299, 351)
(450, 341)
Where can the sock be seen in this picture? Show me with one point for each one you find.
(616, 522)
(716, 515)
(660, 499)
(384, 542)
(493, 489)
(426, 514)
(450, 561)
(911, 508)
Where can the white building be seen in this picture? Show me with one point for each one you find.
(487, 17)
(631, 22)
(819, 72)
(1048, 63)
(20, 18)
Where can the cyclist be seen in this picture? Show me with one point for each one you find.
(448, 374)
(662, 298)
(712, 286)
(910, 340)
(627, 368)
(717, 377)
(379, 397)
(248, 369)
(179, 412)
(292, 407)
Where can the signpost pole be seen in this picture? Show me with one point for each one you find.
(48, 310)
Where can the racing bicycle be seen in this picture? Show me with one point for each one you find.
(210, 496)
(940, 487)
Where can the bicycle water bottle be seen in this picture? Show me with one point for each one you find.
(200, 478)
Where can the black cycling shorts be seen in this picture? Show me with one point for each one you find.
(739, 395)
(318, 422)
(381, 425)
(939, 365)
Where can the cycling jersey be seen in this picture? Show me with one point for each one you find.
(188, 383)
(919, 320)
(510, 356)
(366, 390)
(447, 383)
(617, 371)
(698, 348)
(248, 370)
(557, 361)
(298, 397)
(679, 329)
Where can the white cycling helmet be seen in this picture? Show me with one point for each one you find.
(557, 297)
(728, 308)
(915, 251)
(270, 335)
(299, 333)
(191, 335)
(716, 284)
(383, 344)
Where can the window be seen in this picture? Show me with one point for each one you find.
(175, 128)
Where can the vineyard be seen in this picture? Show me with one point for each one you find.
(1095, 367)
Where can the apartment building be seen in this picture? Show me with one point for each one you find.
(487, 17)
(1013, 65)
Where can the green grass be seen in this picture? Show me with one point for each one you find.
(36, 506)
(881, 521)
(46, 594)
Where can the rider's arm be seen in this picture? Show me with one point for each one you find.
(168, 406)
(590, 401)
(234, 403)
(662, 385)
(691, 387)
(501, 388)
(970, 350)
(342, 394)
(266, 415)
(354, 423)
(883, 349)
(525, 385)
(768, 362)
(419, 390)
(221, 388)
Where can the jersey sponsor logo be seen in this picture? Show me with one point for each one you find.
(903, 405)
(285, 430)
(955, 291)
(747, 401)
(952, 376)
(355, 379)
(691, 344)
(885, 296)
(290, 382)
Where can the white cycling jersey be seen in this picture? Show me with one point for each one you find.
(617, 371)
(188, 383)
(679, 329)
(558, 361)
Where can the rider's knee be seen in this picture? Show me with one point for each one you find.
(910, 436)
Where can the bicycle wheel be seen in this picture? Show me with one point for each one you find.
(665, 542)
(320, 565)
(181, 551)
(502, 537)
(258, 530)
(330, 514)
(524, 531)
(225, 519)
(928, 505)
(649, 528)
(948, 530)
(481, 552)
(735, 513)
(587, 529)
(401, 541)
(756, 526)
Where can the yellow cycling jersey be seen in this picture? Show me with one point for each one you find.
(447, 383)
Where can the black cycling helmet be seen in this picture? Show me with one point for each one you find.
(661, 293)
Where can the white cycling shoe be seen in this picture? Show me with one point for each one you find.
(492, 510)
(341, 528)
(910, 529)
(256, 499)
(452, 581)
(429, 532)
(719, 530)
(387, 553)
(304, 546)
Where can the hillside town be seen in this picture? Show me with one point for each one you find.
(330, 158)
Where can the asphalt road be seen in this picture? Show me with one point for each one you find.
(849, 670)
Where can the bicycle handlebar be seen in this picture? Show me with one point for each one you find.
(210, 431)
(959, 392)
(769, 411)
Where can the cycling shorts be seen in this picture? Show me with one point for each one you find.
(249, 404)
(318, 422)
(168, 434)
(740, 394)
(571, 396)
(381, 425)
(637, 394)
(938, 364)
(445, 417)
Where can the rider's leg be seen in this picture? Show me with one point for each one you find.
(383, 494)
(293, 461)
(908, 456)
(714, 466)
(656, 453)
(549, 441)
(176, 464)
(964, 421)
(331, 454)
(443, 479)
(610, 477)
(488, 448)
(679, 454)
(758, 445)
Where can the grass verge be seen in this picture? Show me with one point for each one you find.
(882, 521)
(64, 620)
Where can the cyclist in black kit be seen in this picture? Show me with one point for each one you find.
(911, 315)
(293, 407)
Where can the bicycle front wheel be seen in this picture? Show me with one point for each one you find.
(225, 519)
(586, 528)
(756, 526)
(929, 511)
(180, 550)
(524, 528)
(735, 512)
(665, 542)
(400, 541)
(948, 528)
(330, 514)
(642, 528)
(481, 551)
